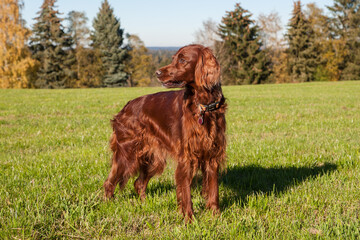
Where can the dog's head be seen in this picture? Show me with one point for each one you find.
(193, 65)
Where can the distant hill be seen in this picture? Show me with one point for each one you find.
(162, 55)
(171, 49)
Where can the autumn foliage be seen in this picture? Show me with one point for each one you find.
(16, 64)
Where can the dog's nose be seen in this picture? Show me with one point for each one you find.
(158, 73)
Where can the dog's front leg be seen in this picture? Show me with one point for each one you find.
(183, 178)
(212, 187)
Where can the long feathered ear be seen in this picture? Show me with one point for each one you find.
(207, 72)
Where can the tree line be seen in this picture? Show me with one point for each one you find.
(63, 52)
(315, 47)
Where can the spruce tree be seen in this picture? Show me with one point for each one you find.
(51, 46)
(108, 38)
(345, 25)
(302, 50)
(243, 60)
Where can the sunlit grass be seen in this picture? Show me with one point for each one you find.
(292, 167)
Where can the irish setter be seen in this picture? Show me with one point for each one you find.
(187, 125)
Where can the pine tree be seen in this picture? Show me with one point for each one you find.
(243, 60)
(108, 38)
(16, 64)
(302, 52)
(345, 25)
(51, 46)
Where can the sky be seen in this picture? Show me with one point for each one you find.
(165, 23)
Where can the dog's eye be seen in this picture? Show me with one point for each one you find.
(182, 61)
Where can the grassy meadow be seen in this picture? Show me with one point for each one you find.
(293, 167)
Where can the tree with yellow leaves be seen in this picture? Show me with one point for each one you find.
(139, 64)
(16, 64)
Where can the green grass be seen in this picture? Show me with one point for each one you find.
(293, 167)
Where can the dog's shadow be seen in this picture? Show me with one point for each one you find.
(240, 182)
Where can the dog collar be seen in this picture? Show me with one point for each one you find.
(207, 108)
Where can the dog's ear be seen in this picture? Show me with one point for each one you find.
(207, 72)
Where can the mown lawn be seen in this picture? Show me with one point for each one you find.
(293, 167)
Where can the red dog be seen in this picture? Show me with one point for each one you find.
(187, 125)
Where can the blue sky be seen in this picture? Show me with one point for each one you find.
(168, 22)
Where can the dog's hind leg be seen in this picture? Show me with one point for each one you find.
(116, 176)
(122, 168)
(148, 169)
(142, 181)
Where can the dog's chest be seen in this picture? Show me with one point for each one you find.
(201, 135)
